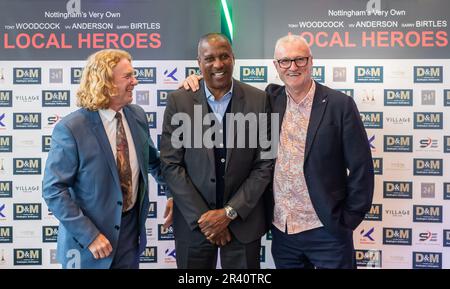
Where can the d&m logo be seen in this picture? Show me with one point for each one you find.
(165, 234)
(161, 190)
(191, 70)
(75, 75)
(428, 120)
(368, 258)
(27, 75)
(446, 191)
(446, 97)
(150, 255)
(398, 143)
(5, 143)
(397, 190)
(27, 166)
(318, 74)
(170, 76)
(151, 119)
(372, 119)
(6, 98)
(377, 166)
(347, 91)
(161, 96)
(424, 74)
(397, 236)
(152, 210)
(46, 143)
(446, 144)
(27, 120)
(55, 98)
(428, 167)
(427, 260)
(145, 75)
(6, 189)
(6, 234)
(30, 211)
(398, 97)
(49, 234)
(375, 213)
(28, 256)
(427, 214)
(143, 97)
(253, 73)
(446, 241)
(372, 74)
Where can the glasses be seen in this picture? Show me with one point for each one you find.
(299, 61)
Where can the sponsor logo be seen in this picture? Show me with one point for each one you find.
(49, 234)
(397, 213)
(31, 211)
(253, 73)
(170, 76)
(428, 167)
(339, 74)
(446, 97)
(367, 236)
(318, 73)
(149, 255)
(192, 70)
(372, 119)
(6, 234)
(28, 256)
(427, 260)
(161, 96)
(397, 190)
(446, 191)
(151, 119)
(398, 97)
(31, 75)
(424, 74)
(446, 241)
(55, 75)
(446, 144)
(372, 74)
(5, 143)
(375, 213)
(428, 120)
(46, 143)
(161, 190)
(75, 75)
(152, 211)
(368, 97)
(397, 236)
(56, 98)
(427, 190)
(427, 214)
(142, 97)
(5, 189)
(347, 91)
(377, 166)
(428, 97)
(428, 144)
(165, 234)
(170, 256)
(6, 97)
(368, 258)
(27, 166)
(145, 75)
(28, 120)
(428, 237)
(398, 143)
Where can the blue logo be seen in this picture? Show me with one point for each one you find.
(446, 97)
(428, 120)
(446, 241)
(55, 98)
(27, 256)
(371, 141)
(372, 119)
(347, 91)
(398, 143)
(370, 74)
(2, 116)
(162, 96)
(30, 120)
(446, 144)
(27, 166)
(6, 98)
(428, 167)
(427, 214)
(368, 258)
(165, 234)
(6, 234)
(446, 191)
(253, 73)
(377, 166)
(31, 75)
(145, 75)
(2, 207)
(191, 70)
(49, 234)
(5, 189)
(169, 76)
(368, 235)
(75, 75)
(375, 213)
(150, 255)
(29, 211)
(171, 253)
(5, 143)
(397, 236)
(46, 143)
(428, 74)
(398, 97)
(152, 210)
(151, 119)
(427, 260)
(161, 190)
(397, 190)
(318, 73)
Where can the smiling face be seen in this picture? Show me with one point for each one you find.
(295, 78)
(124, 81)
(216, 62)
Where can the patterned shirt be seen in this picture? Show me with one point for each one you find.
(293, 207)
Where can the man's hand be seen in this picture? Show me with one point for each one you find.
(222, 238)
(100, 247)
(192, 82)
(213, 222)
(168, 214)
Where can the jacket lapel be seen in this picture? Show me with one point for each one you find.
(138, 138)
(318, 108)
(237, 106)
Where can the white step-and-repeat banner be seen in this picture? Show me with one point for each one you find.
(393, 61)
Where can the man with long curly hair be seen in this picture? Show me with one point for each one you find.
(96, 175)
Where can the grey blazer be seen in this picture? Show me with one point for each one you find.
(190, 172)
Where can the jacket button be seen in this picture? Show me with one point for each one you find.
(213, 180)
(119, 203)
(117, 227)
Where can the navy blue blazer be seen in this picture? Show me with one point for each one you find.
(338, 163)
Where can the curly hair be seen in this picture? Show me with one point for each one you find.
(96, 84)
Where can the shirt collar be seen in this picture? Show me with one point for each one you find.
(226, 97)
(307, 100)
(109, 114)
